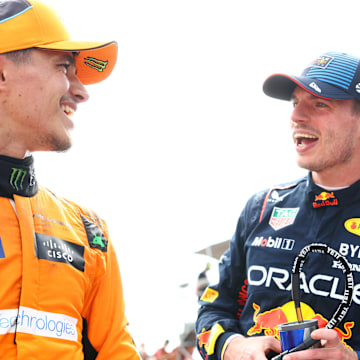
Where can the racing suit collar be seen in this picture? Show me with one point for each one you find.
(326, 197)
(17, 176)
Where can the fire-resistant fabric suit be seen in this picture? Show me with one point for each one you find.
(61, 292)
(253, 295)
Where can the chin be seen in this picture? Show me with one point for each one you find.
(55, 143)
(306, 165)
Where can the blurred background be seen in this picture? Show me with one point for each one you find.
(170, 147)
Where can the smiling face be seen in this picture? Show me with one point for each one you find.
(37, 98)
(326, 134)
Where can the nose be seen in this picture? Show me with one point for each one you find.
(300, 113)
(78, 90)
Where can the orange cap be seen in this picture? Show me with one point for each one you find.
(27, 24)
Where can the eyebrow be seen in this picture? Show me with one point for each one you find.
(67, 57)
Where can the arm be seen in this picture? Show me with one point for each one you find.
(222, 304)
(106, 319)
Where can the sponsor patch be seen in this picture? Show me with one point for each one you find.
(96, 238)
(59, 250)
(275, 243)
(353, 226)
(209, 295)
(322, 62)
(40, 323)
(96, 64)
(325, 199)
(282, 217)
(315, 87)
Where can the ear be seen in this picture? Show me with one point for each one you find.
(3, 77)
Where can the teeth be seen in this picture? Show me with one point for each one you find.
(298, 136)
(68, 110)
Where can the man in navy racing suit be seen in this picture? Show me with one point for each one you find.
(238, 317)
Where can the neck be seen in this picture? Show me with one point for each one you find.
(335, 178)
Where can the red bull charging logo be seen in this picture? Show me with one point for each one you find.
(268, 321)
(325, 199)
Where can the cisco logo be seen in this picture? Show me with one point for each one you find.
(59, 250)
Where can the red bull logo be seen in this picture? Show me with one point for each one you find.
(207, 339)
(266, 322)
(325, 199)
(324, 196)
(203, 338)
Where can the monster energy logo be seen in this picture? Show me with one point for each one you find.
(96, 64)
(17, 178)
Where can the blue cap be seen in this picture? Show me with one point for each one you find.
(333, 75)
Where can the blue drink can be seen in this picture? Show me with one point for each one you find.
(294, 333)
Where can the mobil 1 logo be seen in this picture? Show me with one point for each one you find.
(59, 250)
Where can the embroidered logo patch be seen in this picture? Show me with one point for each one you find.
(96, 64)
(282, 217)
(17, 178)
(322, 61)
(325, 199)
(96, 238)
(40, 323)
(209, 295)
(59, 250)
(353, 226)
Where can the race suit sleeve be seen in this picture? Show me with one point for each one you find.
(221, 305)
(105, 315)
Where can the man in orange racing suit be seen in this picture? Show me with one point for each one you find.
(238, 317)
(61, 292)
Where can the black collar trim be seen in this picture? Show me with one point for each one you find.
(17, 176)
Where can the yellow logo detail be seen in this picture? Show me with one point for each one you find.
(353, 226)
(216, 331)
(209, 295)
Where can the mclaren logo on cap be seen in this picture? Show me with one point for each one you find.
(96, 64)
(11, 9)
(322, 62)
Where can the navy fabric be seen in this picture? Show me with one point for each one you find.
(254, 290)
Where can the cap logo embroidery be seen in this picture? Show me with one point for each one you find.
(322, 62)
(357, 88)
(315, 87)
(96, 64)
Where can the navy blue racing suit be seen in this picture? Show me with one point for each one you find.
(253, 295)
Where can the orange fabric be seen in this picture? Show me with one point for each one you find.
(43, 298)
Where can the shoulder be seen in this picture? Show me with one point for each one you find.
(273, 195)
(277, 192)
(81, 217)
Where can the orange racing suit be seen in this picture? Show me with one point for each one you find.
(61, 292)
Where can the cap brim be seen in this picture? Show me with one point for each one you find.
(281, 86)
(94, 61)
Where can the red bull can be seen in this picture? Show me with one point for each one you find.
(294, 333)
